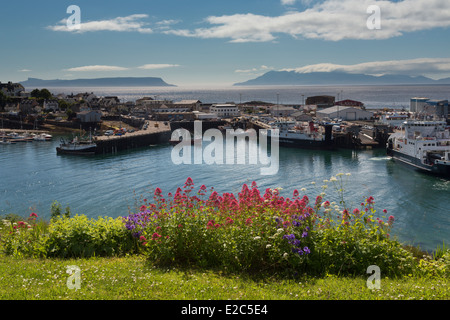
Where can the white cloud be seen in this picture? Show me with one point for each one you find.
(287, 2)
(25, 70)
(331, 20)
(262, 68)
(96, 68)
(132, 23)
(157, 66)
(412, 67)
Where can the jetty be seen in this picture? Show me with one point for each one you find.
(155, 133)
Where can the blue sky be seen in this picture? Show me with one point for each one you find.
(212, 42)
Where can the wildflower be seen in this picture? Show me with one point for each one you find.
(268, 246)
(189, 182)
(33, 215)
(295, 193)
(339, 174)
(156, 236)
(348, 174)
(257, 238)
(384, 210)
(306, 250)
(333, 179)
(143, 208)
(158, 191)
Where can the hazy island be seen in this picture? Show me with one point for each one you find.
(99, 82)
(335, 78)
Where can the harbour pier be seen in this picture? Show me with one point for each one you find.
(156, 133)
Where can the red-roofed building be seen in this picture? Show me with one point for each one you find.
(349, 103)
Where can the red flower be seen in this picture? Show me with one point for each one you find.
(143, 208)
(33, 215)
(189, 182)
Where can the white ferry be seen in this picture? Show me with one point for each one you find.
(422, 144)
(304, 135)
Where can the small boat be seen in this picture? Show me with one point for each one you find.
(5, 141)
(42, 137)
(77, 147)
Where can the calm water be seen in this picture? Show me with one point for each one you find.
(32, 175)
(372, 96)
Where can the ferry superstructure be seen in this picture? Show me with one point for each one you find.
(422, 144)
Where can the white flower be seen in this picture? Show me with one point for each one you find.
(348, 174)
(285, 255)
(256, 238)
(333, 179)
(339, 174)
(313, 182)
(280, 230)
(303, 189)
(326, 181)
(268, 246)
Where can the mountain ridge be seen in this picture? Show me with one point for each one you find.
(99, 82)
(335, 78)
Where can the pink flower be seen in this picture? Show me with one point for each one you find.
(295, 193)
(384, 210)
(33, 215)
(189, 182)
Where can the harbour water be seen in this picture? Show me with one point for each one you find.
(33, 176)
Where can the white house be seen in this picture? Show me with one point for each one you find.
(344, 113)
(225, 110)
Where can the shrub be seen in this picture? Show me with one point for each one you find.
(83, 237)
(23, 237)
(251, 232)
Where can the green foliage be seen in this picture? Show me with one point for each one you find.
(83, 237)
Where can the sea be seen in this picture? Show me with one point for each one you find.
(33, 176)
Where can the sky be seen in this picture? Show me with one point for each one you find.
(218, 42)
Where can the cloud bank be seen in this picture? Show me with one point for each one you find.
(411, 67)
(132, 23)
(331, 20)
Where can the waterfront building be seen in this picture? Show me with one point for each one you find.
(321, 101)
(349, 103)
(281, 111)
(417, 104)
(225, 110)
(344, 113)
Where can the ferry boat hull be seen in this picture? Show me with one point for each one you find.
(439, 169)
(423, 145)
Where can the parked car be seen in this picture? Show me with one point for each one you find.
(109, 132)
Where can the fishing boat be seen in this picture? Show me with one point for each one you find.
(423, 145)
(42, 137)
(77, 147)
(309, 135)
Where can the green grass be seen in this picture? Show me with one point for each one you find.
(133, 278)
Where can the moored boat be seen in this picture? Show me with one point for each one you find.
(423, 145)
(77, 147)
(303, 135)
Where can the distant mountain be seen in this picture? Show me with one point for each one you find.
(100, 82)
(335, 78)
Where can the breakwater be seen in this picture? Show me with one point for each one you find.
(155, 134)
